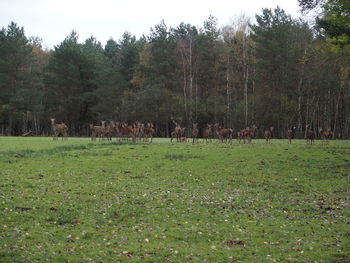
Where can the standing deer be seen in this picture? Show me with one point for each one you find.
(208, 133)
(291, 134)
(248, 134)
(223, 134)
(97, 131)
(240, 135)
(178, 131)
(195, 132)
(59, 129)
(310, 135)
(172, 136)
(325, 135)
(148, 131)
(268, 135)
(126, 131)
(116, 129)
(108, 129)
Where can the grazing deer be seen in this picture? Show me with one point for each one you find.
(268, 135)
(325, 135)
(291, 134)
(208, 133)
(183, 139)
(223, 134)
(310, 135)
(59, 129)
(195, 132)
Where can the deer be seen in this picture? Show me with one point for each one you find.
(178, 131)
(195, 132)
(208, 133)
(310, 135)
(249, 133)
(126, 131)
(240, 134)
(59, 129)
(136, 130)
(325, 135)
(148, 131)
(108, 129)
(183, 139)
(115, 125)
(223, 134)
(172, 136)
(268, 135)
(290, 134)
(97, 131)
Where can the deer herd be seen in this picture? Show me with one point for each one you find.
(136, 132)
(139, 131)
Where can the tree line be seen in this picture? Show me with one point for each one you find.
(277, 72)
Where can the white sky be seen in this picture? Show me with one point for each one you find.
(53, 20)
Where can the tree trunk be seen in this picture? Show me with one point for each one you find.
(246, 76)
(336, 115)
(300, 83)
(191, 84)
(184, 88)
(9, 131)
(228, 93)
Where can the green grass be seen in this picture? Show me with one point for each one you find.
(83, 201)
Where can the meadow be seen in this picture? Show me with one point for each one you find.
(83, 201)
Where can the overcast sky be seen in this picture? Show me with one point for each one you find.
(53, 20)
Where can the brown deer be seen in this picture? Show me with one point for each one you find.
(223, 134)
(268, 135)
(195, 132)
(126, 131)
(148, 131)
(136, 130)
(97, 131)
(291, 134)
(108, 129)
(178, 131)
(240, 134)
(183, 139)
(59, 129)
(310, 135)
(208, 133)
(325, 135)
(249, 133)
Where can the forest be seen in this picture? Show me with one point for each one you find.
(278, 71)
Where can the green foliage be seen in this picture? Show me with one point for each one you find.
(336, 21)
(280, 47)
(278, 72)
(15, 71)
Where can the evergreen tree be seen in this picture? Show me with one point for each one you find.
(15, 67)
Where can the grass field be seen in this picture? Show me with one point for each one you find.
(77, 201)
